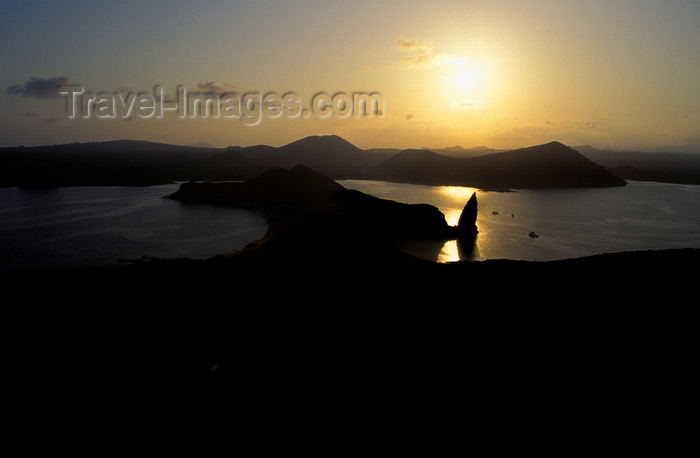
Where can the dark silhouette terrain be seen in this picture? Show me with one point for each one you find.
(664, 167)
(136, 163)
(565, 357)
(326, 318)
(120, 162)
(140, 163)
(309, 208)
(549, 165)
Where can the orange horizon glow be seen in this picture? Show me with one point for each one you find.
(509, 74)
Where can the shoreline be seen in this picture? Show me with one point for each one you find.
(623, 267)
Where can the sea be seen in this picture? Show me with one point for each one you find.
(43, 229)
(66, 227)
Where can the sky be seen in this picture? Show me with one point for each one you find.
(621, 74)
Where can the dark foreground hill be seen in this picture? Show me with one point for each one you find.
(566, 357)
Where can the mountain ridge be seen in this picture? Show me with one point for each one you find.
(664, 167)
(141, 162)
(551, 164)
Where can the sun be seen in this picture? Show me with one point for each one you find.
(465, 79)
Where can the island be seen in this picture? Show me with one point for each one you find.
(312, 215)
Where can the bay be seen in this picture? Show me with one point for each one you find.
(96, 226)
(52, 228)
(568, 223)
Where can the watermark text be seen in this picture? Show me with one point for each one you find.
(249, 107)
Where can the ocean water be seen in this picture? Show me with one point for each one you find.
(568, 223)
(96, 226)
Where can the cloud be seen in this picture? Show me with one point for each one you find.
(125, 92)
(40, 88)
(429, 60)
(425, 56)
(470, 105)
(418, 60)
(217, 88)
(410, 45)
(167, 98)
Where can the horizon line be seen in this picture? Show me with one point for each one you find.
(664, 149)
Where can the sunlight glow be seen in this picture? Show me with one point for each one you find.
(457, 197)
(458, 193)
(465, 79)
(449, 252)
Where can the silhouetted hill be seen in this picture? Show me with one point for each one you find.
(129, 162)
(123, 148)
(300, 185)
(303, 198)
(311, 151)
(328, 154)
(385, 152)
(548, 165)
(119, 162)
(419, 166)
(230, 164)
(670, 167)
(459, 152)
(640, 159)
(201, 145)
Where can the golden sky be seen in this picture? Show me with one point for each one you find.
(506, 74)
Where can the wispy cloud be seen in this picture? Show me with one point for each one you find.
(40, 88)
(167, 98)
(218, 88)
(470, 105)
(425, 56)
(411, 45)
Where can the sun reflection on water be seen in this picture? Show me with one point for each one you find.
(449, 252)
(450, 200)
(442, 251)
(457, 197)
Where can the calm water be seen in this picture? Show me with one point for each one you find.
(569, 222)
(96, 226)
